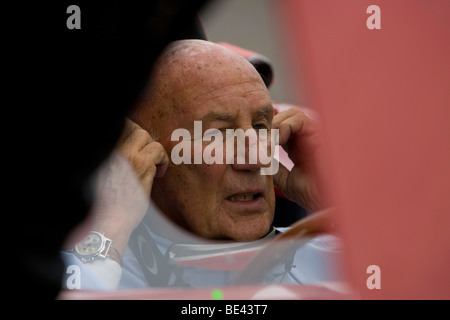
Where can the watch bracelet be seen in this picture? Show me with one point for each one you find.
(119, 257)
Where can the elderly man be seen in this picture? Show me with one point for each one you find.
(196, 80)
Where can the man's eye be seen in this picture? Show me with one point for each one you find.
(212, 132)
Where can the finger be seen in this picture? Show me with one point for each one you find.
(158, 156)
(290, 126)
(300, 134)
(280, 178)
(150, 163)
(134, 139)
(299, 187)
(289, 122)
(282, 116)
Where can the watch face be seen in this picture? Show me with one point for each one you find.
(90, 245)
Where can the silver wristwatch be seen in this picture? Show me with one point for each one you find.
(94, 246)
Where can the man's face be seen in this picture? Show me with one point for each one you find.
(218, 201)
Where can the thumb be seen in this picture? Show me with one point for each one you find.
(280, 179)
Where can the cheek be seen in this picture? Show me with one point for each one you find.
(204, 194)
(197, 187)
(271, 198)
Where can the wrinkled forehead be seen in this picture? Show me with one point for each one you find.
(213, 72)
(199, 69)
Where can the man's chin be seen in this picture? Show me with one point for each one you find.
(251, 233)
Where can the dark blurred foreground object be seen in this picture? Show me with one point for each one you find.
(69, 92)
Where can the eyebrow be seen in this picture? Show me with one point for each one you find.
(214, 115)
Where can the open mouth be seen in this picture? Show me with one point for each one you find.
(242, 197)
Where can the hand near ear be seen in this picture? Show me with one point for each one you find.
(299, 135)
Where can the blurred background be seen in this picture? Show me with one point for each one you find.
(253, 25)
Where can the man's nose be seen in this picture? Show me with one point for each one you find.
(251, 154)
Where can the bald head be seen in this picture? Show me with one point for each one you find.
(199, 80)
(185, 71)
